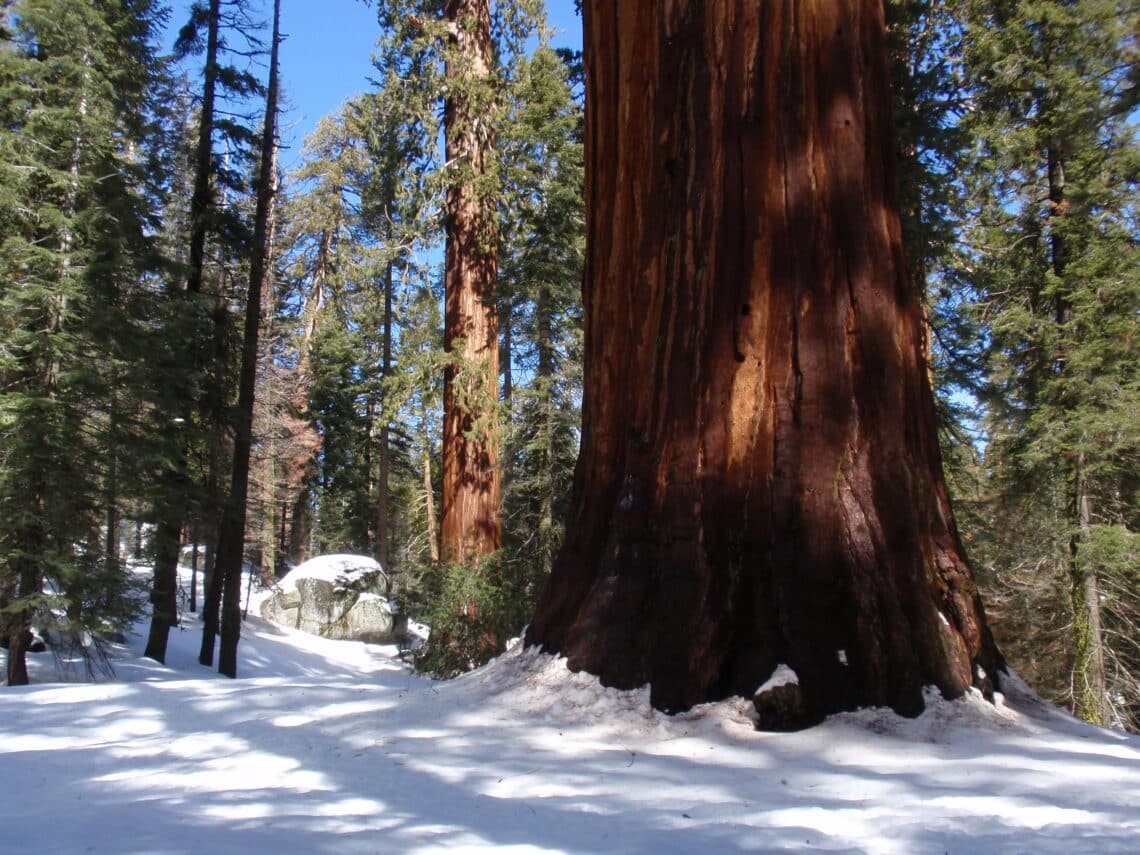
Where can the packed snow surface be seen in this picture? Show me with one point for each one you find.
(334, 747)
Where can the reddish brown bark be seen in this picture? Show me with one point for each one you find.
(470, 525)
(760, 479)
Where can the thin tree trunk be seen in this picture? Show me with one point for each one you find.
(305, 439)
(383, 513)
(175, 510)
(544, 323)
(215, 508)
(164, 589)
(19, 626)
(505, 353)
(269, 528)
(111, 550)
(194, 553)
(1090, 685)
(429, 494)
(28, 581)
(232, 536)
(470, 526)
(201, 198)
(760, 480)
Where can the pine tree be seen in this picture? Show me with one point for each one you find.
(1054, 257)
(77, 79)
(463, 59)
(231, 538)
(541, 273)
(193, 369)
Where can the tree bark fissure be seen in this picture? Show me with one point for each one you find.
(760, 480)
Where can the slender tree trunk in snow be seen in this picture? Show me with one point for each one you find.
(1090, 684)
(429, 493)
(232, 537)
(383, 515)
(760, 479)
(175, 503)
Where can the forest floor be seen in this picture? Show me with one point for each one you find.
(326, 746)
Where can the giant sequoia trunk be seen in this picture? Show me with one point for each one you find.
(760, 480)
(470, 525)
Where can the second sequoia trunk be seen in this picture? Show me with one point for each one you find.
(760, 479)
(470, 527)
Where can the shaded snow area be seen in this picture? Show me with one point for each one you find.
(334, 747)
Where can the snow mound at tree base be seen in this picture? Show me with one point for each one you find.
(543, 685)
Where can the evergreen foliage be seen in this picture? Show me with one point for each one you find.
(76, 83)
(125, 212)
(540, 278)
(1053, 252)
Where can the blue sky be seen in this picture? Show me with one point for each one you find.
(326, 56)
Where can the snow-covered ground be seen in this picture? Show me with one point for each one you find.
(333, 746)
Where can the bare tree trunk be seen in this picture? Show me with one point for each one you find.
(232, 536)
(470, 525)
(164, 590)
(195, 553)
(383, 513)
(175, 510)
(429, 495)
(505, 350)
(201, 202)
(544, 324)
(760, 480)
(25, 582)
(1090, 685)
(305, 441)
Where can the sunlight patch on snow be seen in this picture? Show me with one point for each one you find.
(246, 770)
(291, 720)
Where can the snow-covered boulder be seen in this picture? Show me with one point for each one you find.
(337, 596)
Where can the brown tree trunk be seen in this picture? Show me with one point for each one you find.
(470, 525)
(25, 583)
(544, 324)
(429, 494)
(384, 476)
(1090, 683)
(175, 508)
(304, 439)
(760, 479)
(231, 538)
(164, 590)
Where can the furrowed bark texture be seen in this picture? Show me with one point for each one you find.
(760, 479)
(470, 526)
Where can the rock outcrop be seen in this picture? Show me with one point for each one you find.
(337, 596)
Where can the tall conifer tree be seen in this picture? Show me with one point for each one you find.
(1055, 258)
(75, 79)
